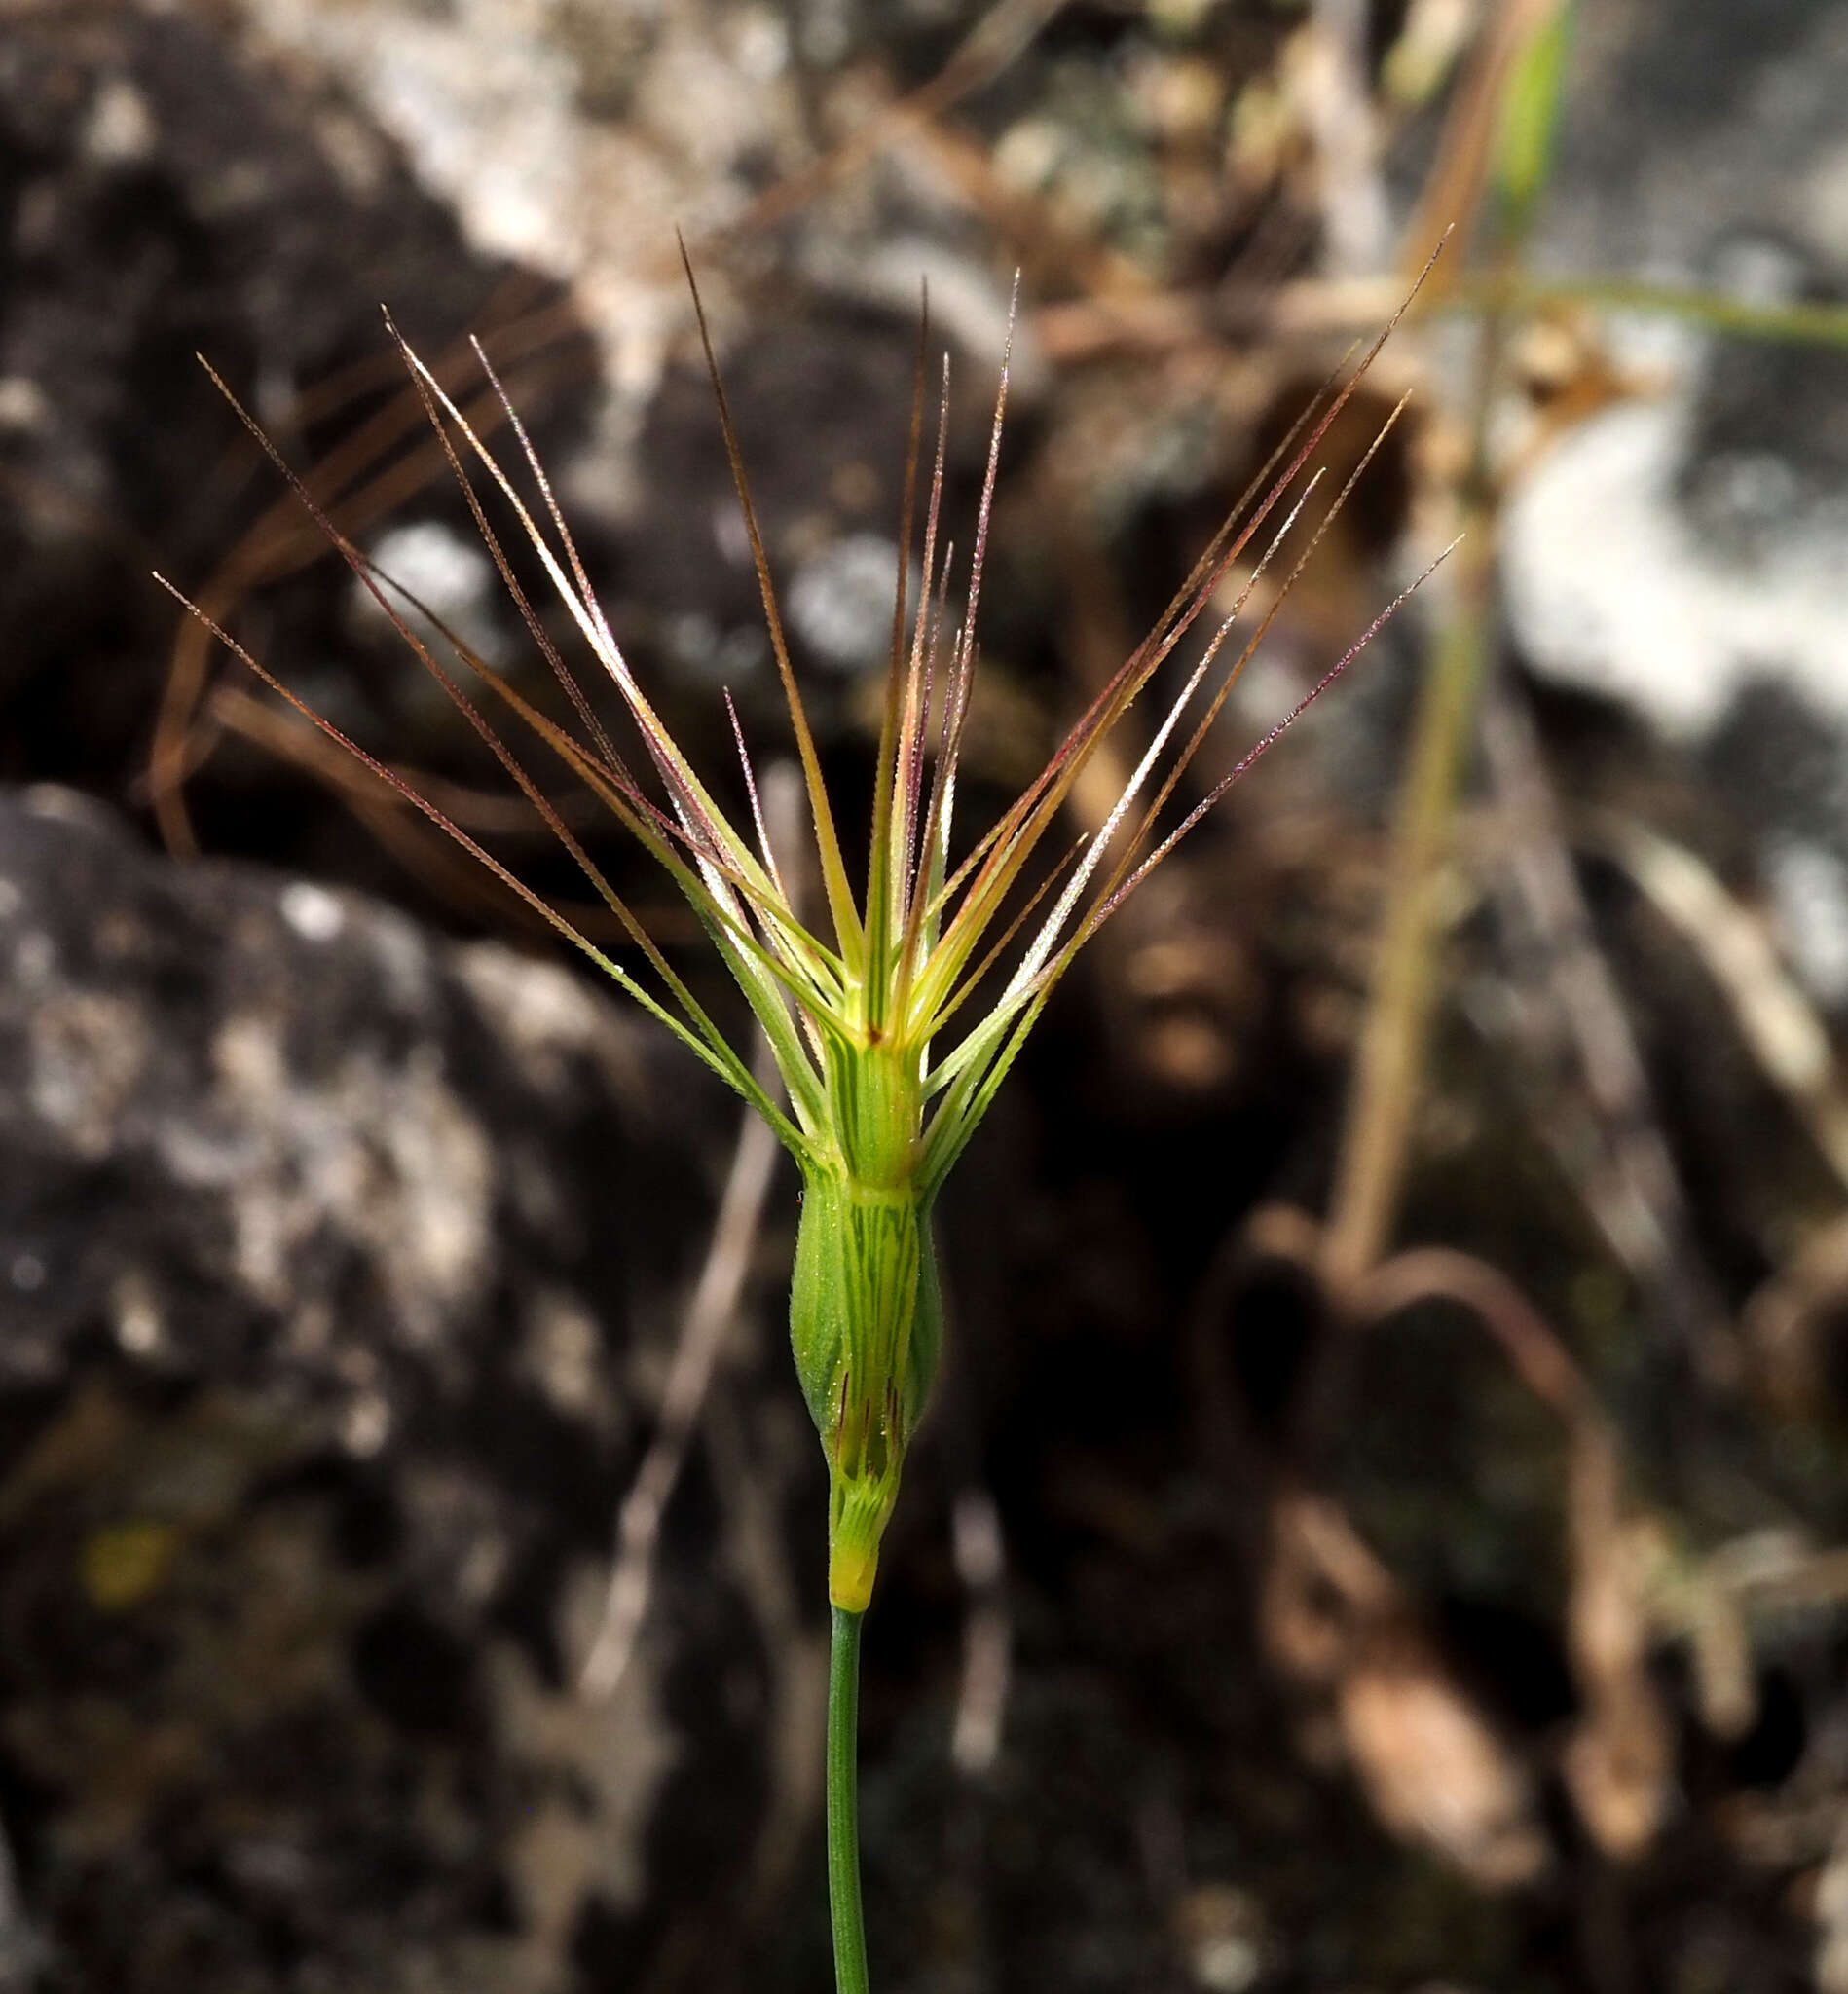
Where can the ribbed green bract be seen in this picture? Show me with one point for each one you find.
(935, 951)
(865, 1307)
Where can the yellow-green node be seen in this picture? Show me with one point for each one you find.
(865, 1326)
(893, 1009)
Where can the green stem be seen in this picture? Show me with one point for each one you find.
(1389, 1068)
(843, 1805)
(1799, 320)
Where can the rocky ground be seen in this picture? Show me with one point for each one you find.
(345, 1232)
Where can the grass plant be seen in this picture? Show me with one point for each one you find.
(893, 1020)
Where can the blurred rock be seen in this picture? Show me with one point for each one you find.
(569, 138)
(164, 197)
(1615, 588)
(1673, 550)
(1678, 552)
(1689, 120)
(337, 1270)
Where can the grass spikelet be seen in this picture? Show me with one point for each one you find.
(893, 1025)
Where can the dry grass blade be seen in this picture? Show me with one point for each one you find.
(709, 1315)
(848, 935)
(721, 1060)
(356, 482)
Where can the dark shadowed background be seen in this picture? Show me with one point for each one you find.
(1279, 1600)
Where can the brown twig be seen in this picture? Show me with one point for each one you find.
(284, 539)
(430, 858)
(1455, 184)
(709, 1316)
(1777, 1020)
(1389, 1065)
(1634, 1194)
(987, 1632)
(1616, 1761)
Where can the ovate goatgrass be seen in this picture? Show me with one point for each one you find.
(892, 1021)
